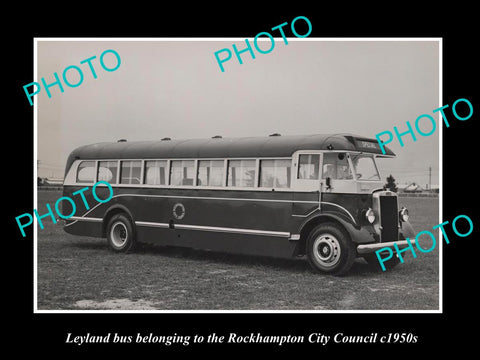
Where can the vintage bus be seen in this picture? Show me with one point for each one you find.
(319, 196)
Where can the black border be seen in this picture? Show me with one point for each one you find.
(46, 333)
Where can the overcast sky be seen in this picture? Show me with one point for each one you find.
(176, 89)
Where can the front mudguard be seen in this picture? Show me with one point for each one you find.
(357, 234)
(364, 234)
(406, 230)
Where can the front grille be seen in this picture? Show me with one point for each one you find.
(388, 218)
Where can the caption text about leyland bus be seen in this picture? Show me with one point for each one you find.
(251, 338)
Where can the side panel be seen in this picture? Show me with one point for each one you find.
(249, 222)
(231, 209)
(219, 241)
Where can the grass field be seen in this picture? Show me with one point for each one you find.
(81, 273)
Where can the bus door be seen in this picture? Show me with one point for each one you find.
(307, 182)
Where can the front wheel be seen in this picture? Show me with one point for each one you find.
(330, 250)
(120, 233)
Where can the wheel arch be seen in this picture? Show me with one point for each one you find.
(310, 224)
(114, 210)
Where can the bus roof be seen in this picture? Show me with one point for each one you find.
(218, 147)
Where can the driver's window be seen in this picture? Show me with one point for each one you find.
(335, 166)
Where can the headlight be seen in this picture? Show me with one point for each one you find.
(370, 215)
(403, 214)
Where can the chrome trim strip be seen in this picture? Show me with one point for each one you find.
(341, 207)
(217, 198)
(202, 198)
(368, 248)
(82, 218)
(328, 203)
(232, 230)
(310, 213)
(152, 224)
(201, 228)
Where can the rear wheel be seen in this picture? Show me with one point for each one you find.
(121, 234)
(330, 250)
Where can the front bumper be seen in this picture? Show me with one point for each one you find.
(370, 248)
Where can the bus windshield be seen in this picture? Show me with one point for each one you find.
(365, 168)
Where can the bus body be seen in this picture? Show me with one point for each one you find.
(281, 196)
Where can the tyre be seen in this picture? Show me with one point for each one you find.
(374, 264)
(121, 233)
(330, 250)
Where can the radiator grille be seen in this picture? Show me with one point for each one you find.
(389, 218)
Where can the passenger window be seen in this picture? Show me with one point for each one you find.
(155, 172)
(210, 173)
(182, 172)
(86, 172)
(241, 173)
(309, 166)
(275, 173)
(107, 171)
(130, 172)
(335, 166)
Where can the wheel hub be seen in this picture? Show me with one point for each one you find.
(327, 250)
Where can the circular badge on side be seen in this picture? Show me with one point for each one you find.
(178, 211)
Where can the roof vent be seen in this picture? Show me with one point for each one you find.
(166, 139)
(217, 137)
(122, 140)
(275, 134)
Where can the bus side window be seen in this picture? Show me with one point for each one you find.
(241, 173)
(86, 172)
(210, 173)
(130, 172)
(182, 172)
(309, 166)
(155, 172)
(275, 173)
(107, 171)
